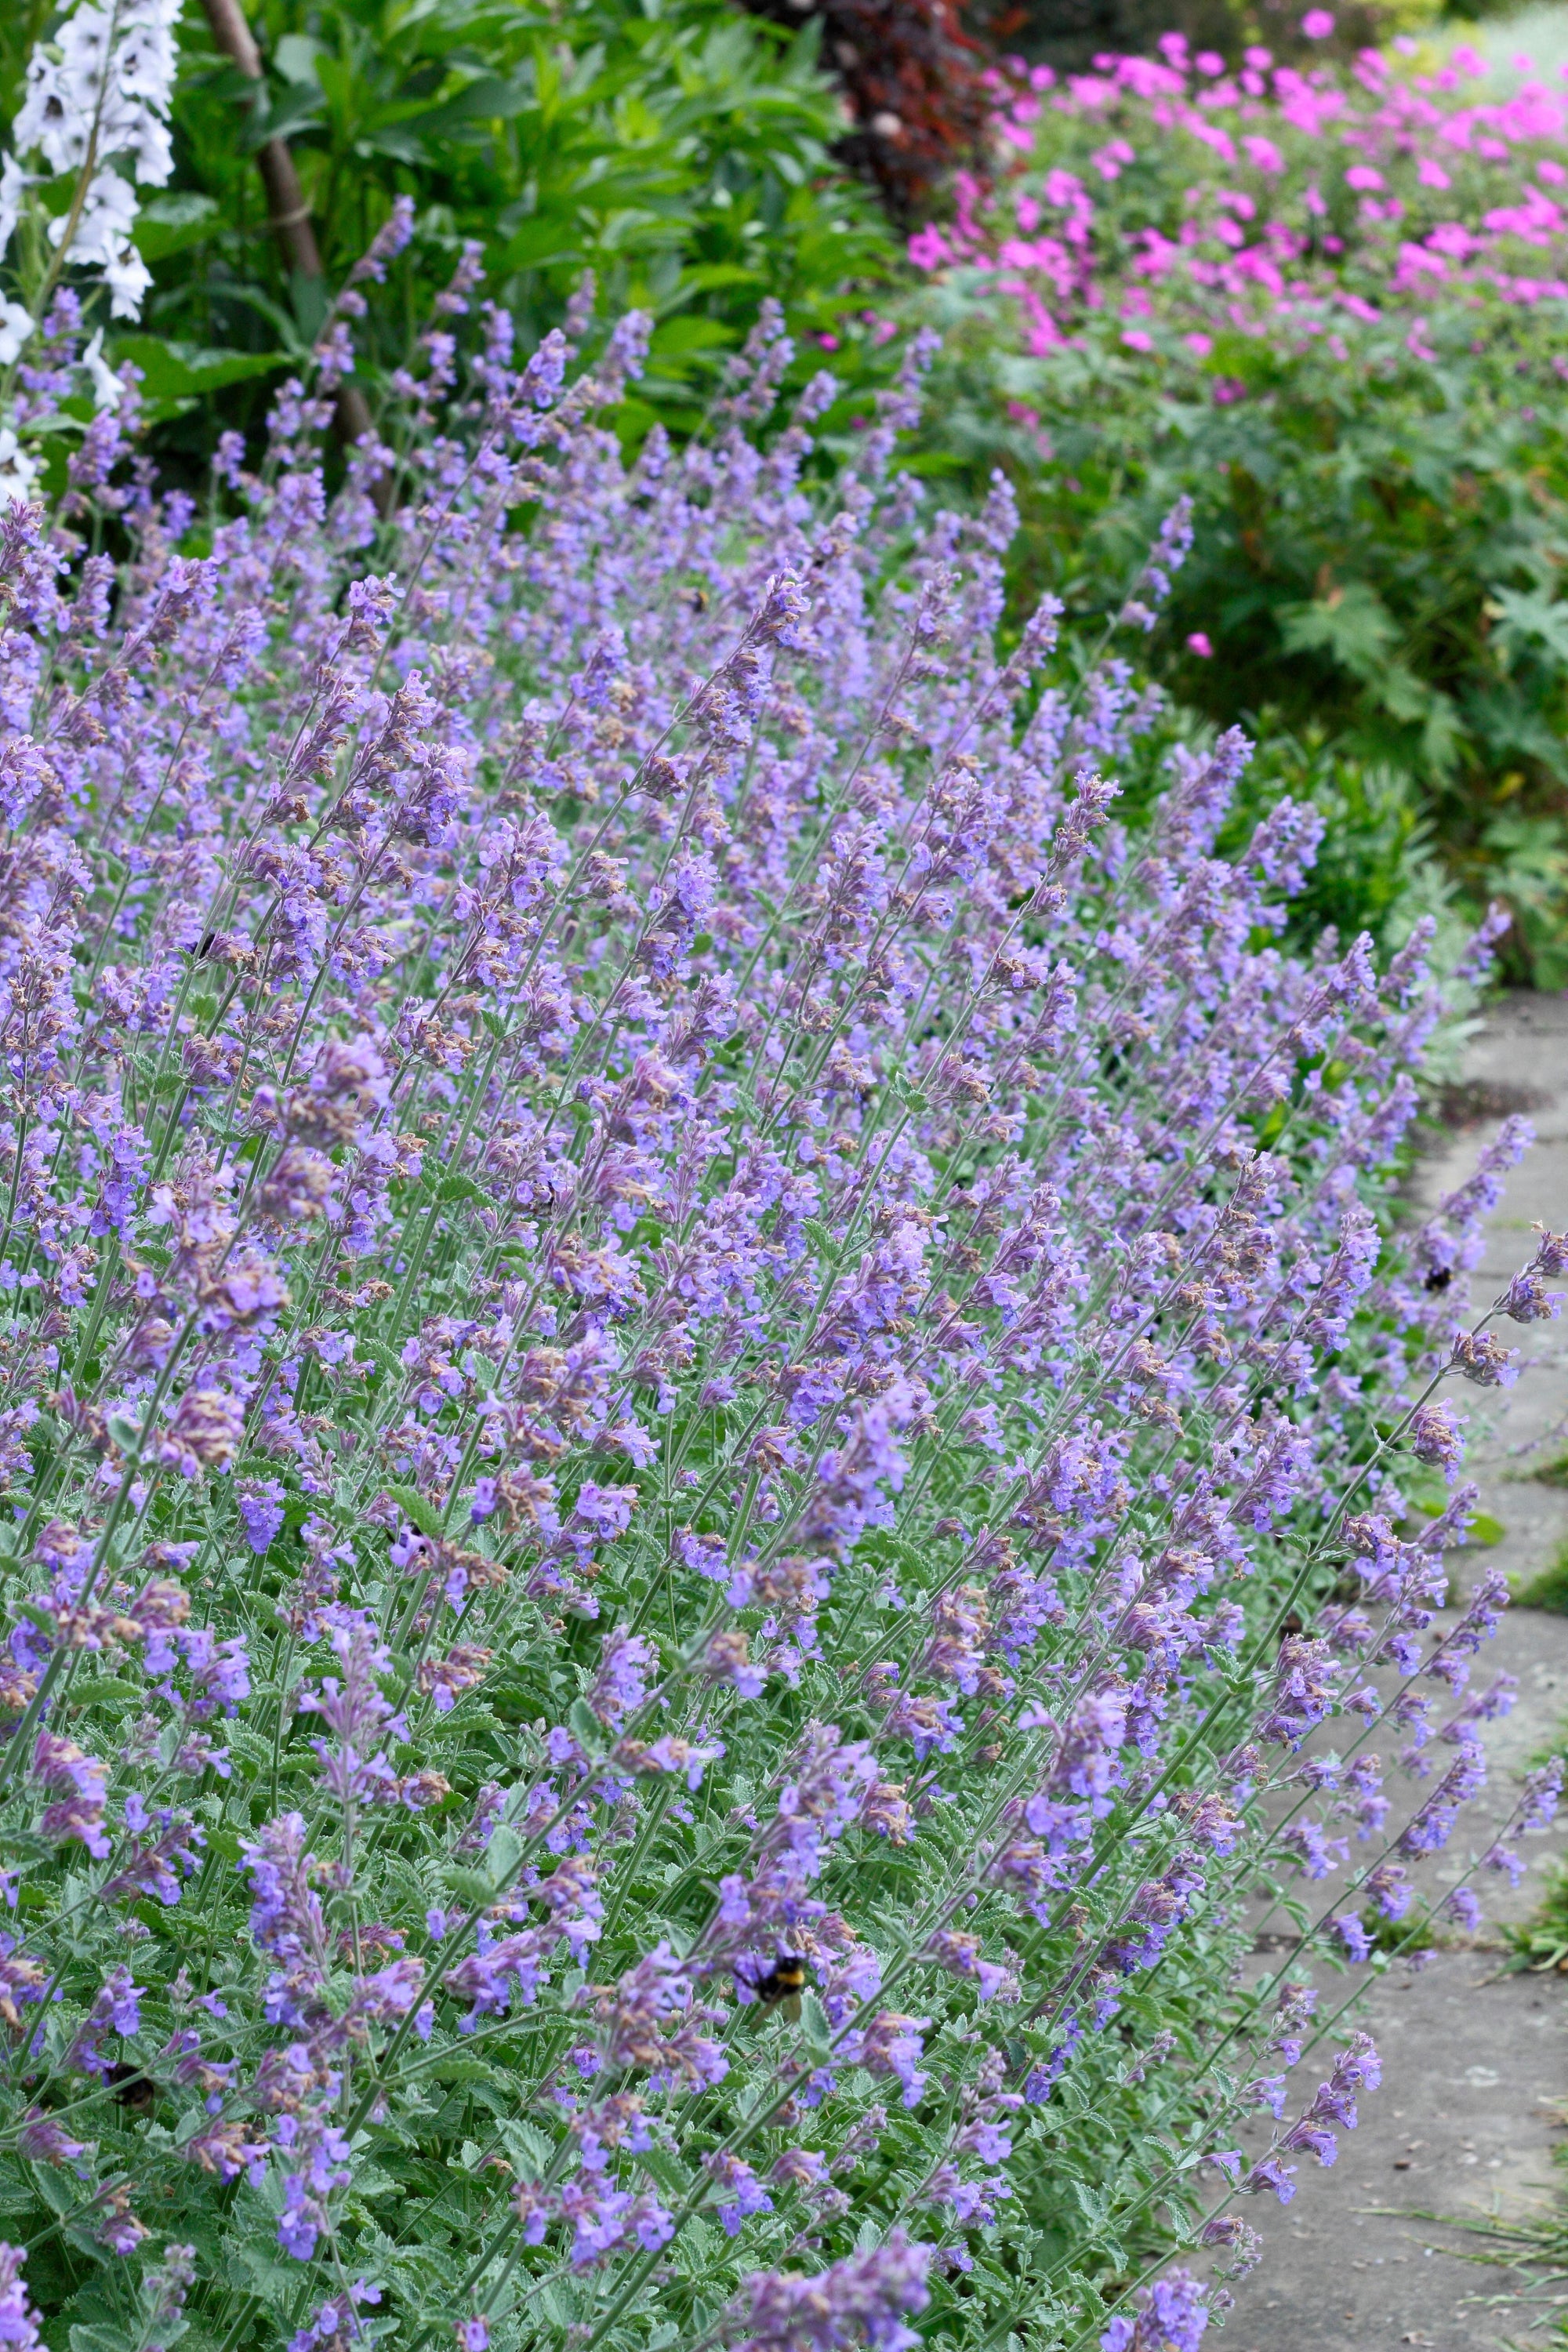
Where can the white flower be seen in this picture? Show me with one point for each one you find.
(108, 391)
(104, 223)
(18, 471)
(127, 279)
(15, 331)
(14, 185)
(102, 92)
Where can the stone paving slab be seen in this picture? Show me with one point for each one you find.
(1476, 2082)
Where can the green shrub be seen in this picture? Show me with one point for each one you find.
(1360, 392)
(677, 149)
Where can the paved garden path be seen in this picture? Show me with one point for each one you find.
(1476, 2086)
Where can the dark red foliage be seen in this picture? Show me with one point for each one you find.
(914, 73)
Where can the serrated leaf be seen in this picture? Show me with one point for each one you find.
(456, 2067)
(673, 2177)
(461, 1188)
(527, 2145)
(471, 1886)
(99, 1690)
(416, 1509)
(585, 1723)
(503, 1853)
(814, 2023)
(94, 2337)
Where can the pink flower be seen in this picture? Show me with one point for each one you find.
(1137, 341)
(1431, 174)
(1362, 176)
(1198, 644)
(929, 249)
(1199, 345)
(1317, 24)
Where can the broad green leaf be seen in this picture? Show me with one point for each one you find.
(167, 224)
(175, 371)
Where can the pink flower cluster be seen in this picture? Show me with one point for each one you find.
(1181, 200)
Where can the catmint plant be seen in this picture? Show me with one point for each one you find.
(704, 1387)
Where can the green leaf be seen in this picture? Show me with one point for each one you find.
(1352, 624)
(471, 1886)
(169, 223)
(503, 1853)
(172, 371)
(97, 2339)
(527, 2145)
(542, 240)
(100, 1690)
(1530, 620)
(416, 1509)
(677, 336)
(585, 1723)
(294, 56)
(814, 2023)
(455, 2066)
(1484, 1530)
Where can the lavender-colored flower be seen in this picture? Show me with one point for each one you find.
(18, 2320)
(1551, 1252)
(625, 1071)
(621, 1684)
(1434, 1436)
(1528, 1300)
(1479, 1359)
(1542, 1790)
(1463, 1907)
(742, 2193)
(261, 1510)
(44, 2141)
(164, 2291)
(1172, 2316)
(864, 2298)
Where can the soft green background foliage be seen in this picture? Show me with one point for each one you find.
(679, 151)
(1376, 557)
(1381, 512)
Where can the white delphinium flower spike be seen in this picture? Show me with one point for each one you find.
(97, 101)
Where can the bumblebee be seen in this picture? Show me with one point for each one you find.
(131, 2089)
(1441, 1277)
(781, 1987)
(698, 600)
